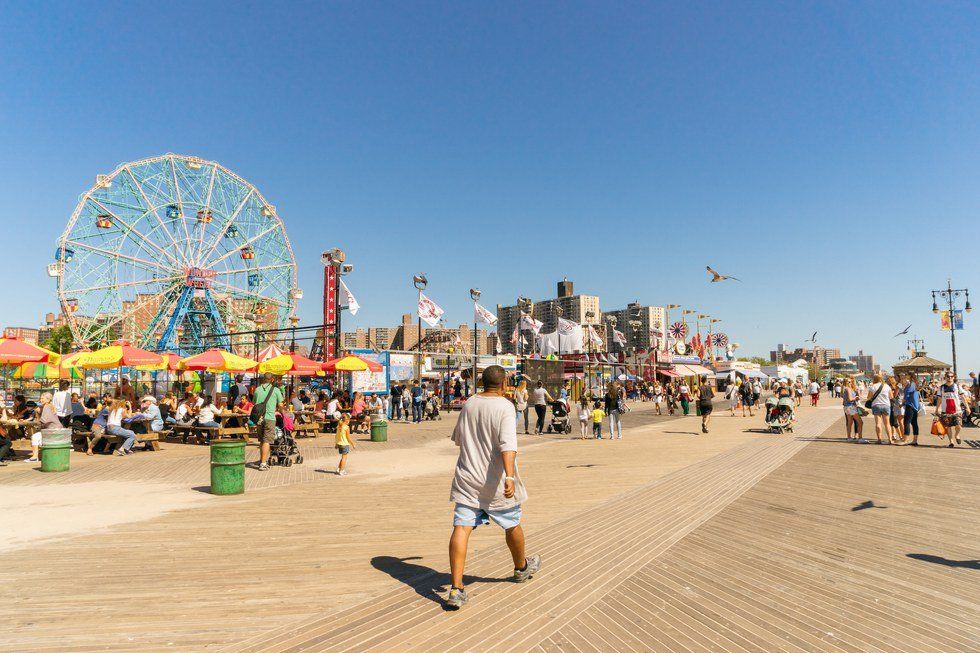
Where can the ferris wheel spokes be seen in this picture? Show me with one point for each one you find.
(224, 227)
(207, 212)
(133, 259)
(143, 239)
(155, 211)
(180, 208)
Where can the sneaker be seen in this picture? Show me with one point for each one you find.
(342, 473)
(33, 460)
(531, 566)
(120, 452)
(264, 467)
(457, 598)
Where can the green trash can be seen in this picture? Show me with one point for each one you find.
(228, 467)
(379, 430)
(55, 450)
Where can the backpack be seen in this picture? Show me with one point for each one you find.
(258, 410)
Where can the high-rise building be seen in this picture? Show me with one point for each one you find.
(865, 362)
(638, 337)
(574, 308)
(25, 334)
(820, 356)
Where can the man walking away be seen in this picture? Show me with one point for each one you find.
(418, 397)
(486, 485)
(268, 396)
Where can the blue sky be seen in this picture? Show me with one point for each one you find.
(826, 153)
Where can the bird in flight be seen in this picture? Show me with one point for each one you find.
(813, 338)
(902, 333)
(716, 276)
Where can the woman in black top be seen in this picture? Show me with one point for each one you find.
(705, 395)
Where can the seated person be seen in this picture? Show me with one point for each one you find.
(207, 415)
(98, 430)
(185, 412)
(297, 402)
(79, 416)
(151, 413)
(358, 412)
(244, 405)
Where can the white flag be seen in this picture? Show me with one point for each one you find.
(514, 336)
(619, 337)
(429, 311)
(594, 337)
(528, 323)
(481, 314)
(347, 298)
(566, 327)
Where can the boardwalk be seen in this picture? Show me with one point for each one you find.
(667, 541)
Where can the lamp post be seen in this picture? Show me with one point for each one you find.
(589, 316)
(524, 305)
(949, 295)
(420, 282)
(450, 350)
(559, 311)
(634, 311)
(293, 321)
(475, 296)
(611, 321)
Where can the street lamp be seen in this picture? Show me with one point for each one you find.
(420, 282)
(293, 321)
(589, 316)
(559, 311)
(475, 296)
(949, 295)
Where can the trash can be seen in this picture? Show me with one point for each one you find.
(228, 467)
(379, 430)
(55, 450)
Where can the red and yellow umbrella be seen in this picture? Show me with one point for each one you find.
(14, 351)
(291, 364)
(351, 363)
(216, 360)
(119, 354)
(168, 364)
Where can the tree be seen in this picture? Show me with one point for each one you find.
(757, 359)
(60, 340)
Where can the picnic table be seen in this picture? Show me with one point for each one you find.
(307, 423)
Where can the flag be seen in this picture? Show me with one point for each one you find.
(566, 327)
(429, 311)
(528, 323)
(481, 314)
(696, 346)
(347, 298)
(619, 337)
(594, 337)
(514, 336)
(944, 322)
(500, 345)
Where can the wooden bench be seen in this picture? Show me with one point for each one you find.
(150, 441)
(183, 431)
(307, 429)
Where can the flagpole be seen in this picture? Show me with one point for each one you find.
(475, 295)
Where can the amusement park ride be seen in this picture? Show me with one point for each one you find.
(172, 253)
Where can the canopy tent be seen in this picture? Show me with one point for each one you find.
(270, 352)
(666, 372)
(693, 370)
(753, 374)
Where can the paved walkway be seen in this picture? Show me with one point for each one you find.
(666, 541)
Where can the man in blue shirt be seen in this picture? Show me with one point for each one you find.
(418, 397)
(151, 413)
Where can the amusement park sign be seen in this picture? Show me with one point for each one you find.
(199, 278)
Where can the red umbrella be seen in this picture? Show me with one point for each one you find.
(15, 352)
(118, 354)
(351, 363)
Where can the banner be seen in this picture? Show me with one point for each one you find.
(481, 314)
(429, 311)
(619, 337)
(370, 382)
(347, 298)
(401, 367)
(594, 338)
(944, 321)
(528, 323)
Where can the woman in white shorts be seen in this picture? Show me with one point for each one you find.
(658, 396)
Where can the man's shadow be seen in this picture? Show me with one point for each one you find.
(426, 582)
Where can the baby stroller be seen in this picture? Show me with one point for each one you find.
(431, 409)
(780, 414)
(559, 418)
(284, 450)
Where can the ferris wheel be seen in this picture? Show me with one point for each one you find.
(173, 253)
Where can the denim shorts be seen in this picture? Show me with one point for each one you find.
(343, 449)
(469, 516)
(881, 410)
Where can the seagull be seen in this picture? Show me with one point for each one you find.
(813, 338)
(716, 277)
(902, 333)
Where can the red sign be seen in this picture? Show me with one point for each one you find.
(329, 312)
(199, 277)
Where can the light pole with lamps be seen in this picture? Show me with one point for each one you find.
(635, 310)
(589, 316)
(949, 295)
(611, 321)
(559, 311)
(335, 262)
(475, 296)
(420, 282)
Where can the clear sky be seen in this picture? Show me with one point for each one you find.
(828, 154)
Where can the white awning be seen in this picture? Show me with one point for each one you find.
(693, 370)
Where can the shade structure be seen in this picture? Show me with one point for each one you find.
(291, 364)
(119, 354)
(270, 352)
(14, 351)
(351, 363)
(46, 371)
(73, 359)
(168, 364)
(217, 360)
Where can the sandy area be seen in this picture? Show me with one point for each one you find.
(33, 514)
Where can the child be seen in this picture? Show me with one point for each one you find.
(344, 443)
(583, 415)
(597, 416)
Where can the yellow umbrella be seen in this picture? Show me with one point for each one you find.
(291, 364)
(120, 354)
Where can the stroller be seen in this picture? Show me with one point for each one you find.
(559, 418)
(431, 409)
(780, 414)
(284, 450)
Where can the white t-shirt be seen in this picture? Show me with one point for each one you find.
(61, 400)
(332, 407)
(115, 417)
(484, 430)
(540, 397)
(884, 398)
(181, 411)
(584, 413)
(208, 413)
(814, 388)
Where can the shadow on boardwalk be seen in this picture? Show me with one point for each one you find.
(426, 582)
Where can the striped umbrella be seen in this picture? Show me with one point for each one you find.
(46, 371)
(291, 364)
(216, 360)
